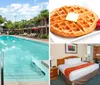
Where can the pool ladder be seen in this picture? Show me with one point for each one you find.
(2, 67)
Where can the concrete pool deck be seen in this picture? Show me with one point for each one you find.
(34, 39)
(45, 62)
(26, 83)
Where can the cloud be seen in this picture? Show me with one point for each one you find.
(11, 8)
(4, 10)
(28, 17)
(23, 11)
(27, 10)
(14, 7)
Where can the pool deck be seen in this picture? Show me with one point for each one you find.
(26, 83)
(34, 39)
(45, 62)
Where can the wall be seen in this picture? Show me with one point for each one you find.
(58, 51)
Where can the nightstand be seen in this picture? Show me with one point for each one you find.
(53, 73)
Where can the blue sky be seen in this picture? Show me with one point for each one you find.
(22, 9)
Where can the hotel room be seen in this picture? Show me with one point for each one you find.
(75, 64)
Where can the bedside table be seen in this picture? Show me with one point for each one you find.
(53, 73)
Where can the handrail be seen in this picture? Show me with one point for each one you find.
(2, 68)
(39, 68)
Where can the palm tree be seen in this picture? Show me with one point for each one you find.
(44, 15)
(36, 21)
(9, 25)
(2, 19)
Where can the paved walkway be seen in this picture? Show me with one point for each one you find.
(26, 83)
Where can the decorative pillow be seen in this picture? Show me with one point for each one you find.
(72, 61)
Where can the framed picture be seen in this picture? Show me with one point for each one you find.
(71, 48)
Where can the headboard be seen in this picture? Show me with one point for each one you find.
(62, 60)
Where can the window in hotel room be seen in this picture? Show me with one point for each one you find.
(89, 52)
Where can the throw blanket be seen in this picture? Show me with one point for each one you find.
(67, 71)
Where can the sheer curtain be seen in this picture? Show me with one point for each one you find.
(90, 52)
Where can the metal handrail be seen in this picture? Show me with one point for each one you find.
(2, 68)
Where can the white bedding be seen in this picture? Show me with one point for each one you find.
(80, 72)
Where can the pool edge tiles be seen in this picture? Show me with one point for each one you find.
(26, 38)
(39, 41)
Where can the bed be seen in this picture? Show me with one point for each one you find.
(79, 76)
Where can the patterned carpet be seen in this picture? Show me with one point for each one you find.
(93, 81)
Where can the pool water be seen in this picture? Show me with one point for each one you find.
(18, 56)
(22, 48)
(31, 71)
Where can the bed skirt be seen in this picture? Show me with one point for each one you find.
(80, 81)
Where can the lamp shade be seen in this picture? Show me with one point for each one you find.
(51, 58)
(97, 54)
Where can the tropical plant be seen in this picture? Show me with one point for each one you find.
(9, 24)
(44, 37)
(35, 21)
(2, 19)
(44, 13)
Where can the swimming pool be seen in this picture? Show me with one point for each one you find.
(13, 46)
(30, 72)
(19, 55)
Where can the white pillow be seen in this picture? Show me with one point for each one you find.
(72, 61)
(67, 61)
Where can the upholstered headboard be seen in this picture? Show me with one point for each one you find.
(62, 60)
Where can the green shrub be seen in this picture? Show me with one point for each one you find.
(11, 33)
(44, 37)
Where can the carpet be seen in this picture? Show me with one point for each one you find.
(93, 81)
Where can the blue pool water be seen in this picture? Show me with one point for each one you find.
(13, 46)
(18, 56)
